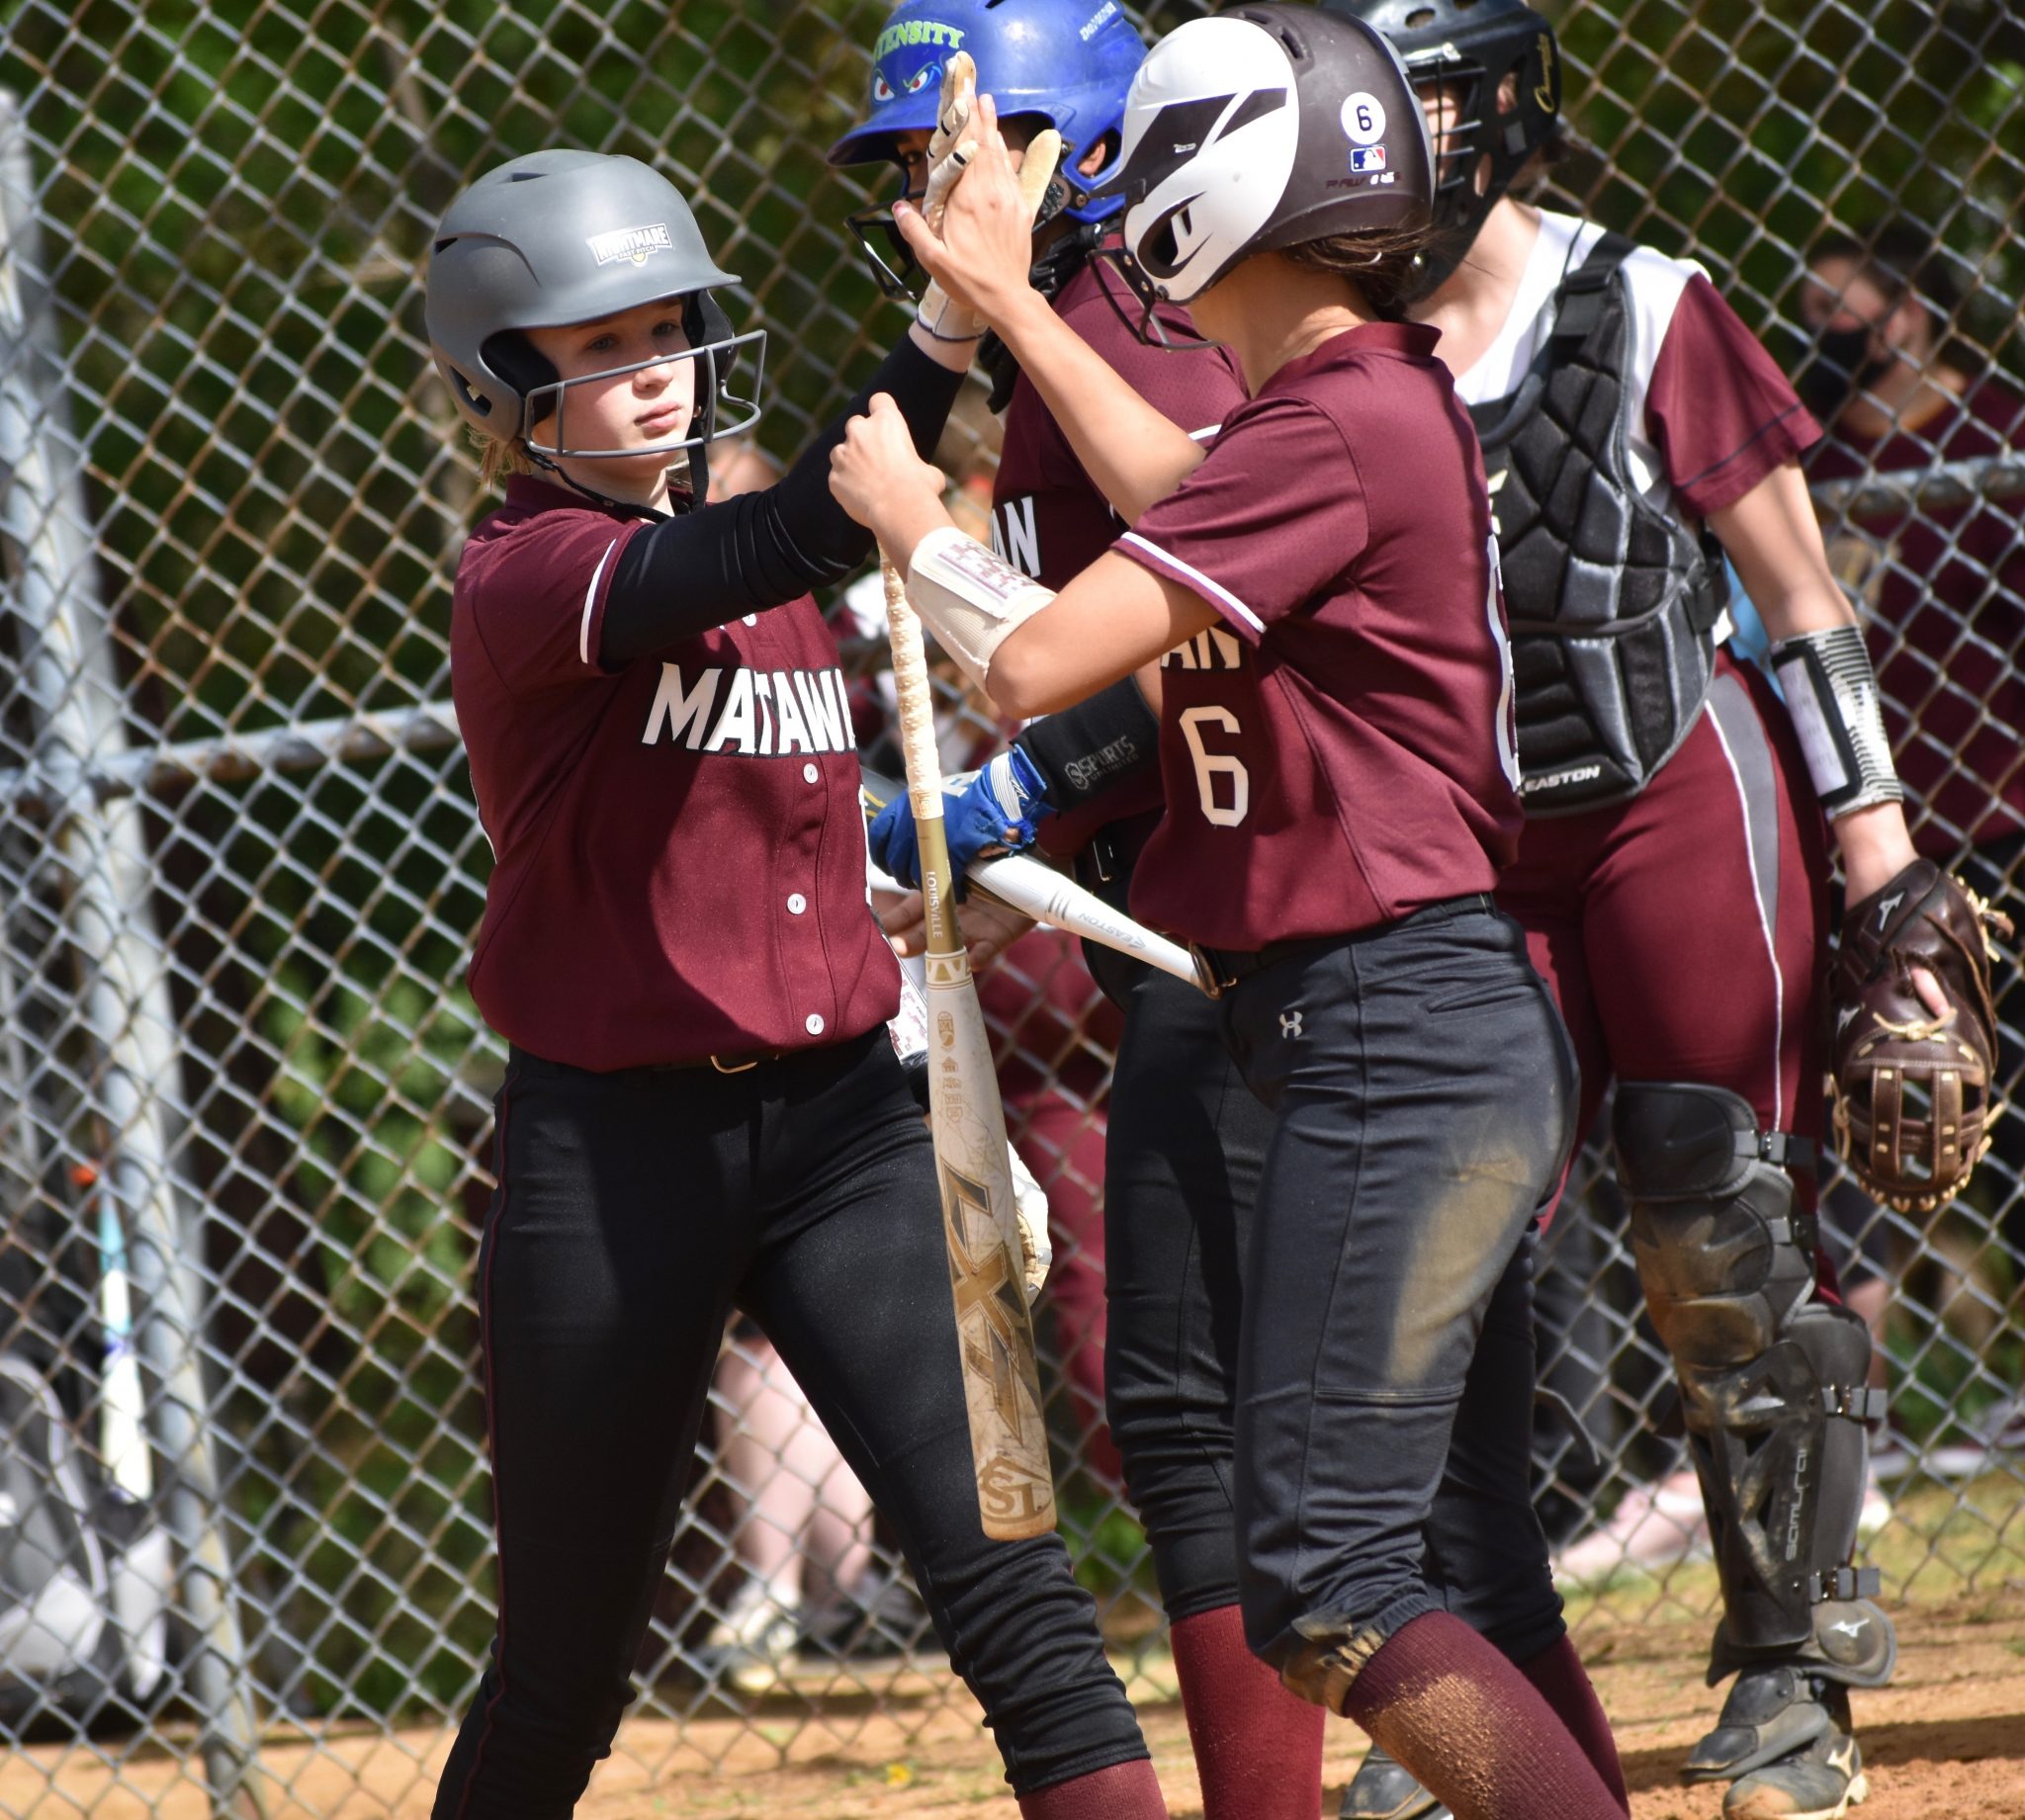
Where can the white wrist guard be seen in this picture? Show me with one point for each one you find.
(1831, 692)
(969, 599)
(943, 319)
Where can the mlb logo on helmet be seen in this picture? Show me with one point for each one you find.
(1366, 158)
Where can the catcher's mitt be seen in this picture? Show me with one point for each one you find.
(1913, 1100)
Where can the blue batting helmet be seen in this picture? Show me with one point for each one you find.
(1068, 62)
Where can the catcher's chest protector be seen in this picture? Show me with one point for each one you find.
(1613, 603)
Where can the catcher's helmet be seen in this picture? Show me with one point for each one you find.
(1262, 127)
(560, 238)
(1068, 62)
(1467, 48)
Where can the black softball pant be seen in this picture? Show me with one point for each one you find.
(1320, 1360)
(635, 1211)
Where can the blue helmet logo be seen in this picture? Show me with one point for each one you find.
(1068, 61)
(892, 82)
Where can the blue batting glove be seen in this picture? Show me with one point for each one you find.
(985, 813)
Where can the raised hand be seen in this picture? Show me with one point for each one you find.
(973, 231)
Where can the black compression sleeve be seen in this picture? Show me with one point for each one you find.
(683, 575)
(1094, 745)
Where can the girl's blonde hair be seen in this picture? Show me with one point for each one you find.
(496, 458)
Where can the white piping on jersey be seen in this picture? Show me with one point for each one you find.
(1765, 911)
(1653, 283)
(589, 599)
(1215, 588)
(1205, 432)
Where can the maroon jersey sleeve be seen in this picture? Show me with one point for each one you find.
(1718, 410)
(541, 619)
(1193, 384)
(1266, 525)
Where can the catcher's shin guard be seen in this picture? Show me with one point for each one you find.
(1772, 1380)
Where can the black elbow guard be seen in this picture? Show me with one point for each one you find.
(1087, 750)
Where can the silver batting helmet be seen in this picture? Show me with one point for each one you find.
(570, 236)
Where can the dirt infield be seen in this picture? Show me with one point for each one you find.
(1947, 1739)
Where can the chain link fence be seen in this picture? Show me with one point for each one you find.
(244, 1093)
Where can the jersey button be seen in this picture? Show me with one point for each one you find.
(813, 1024)
(796, 904)
(810, 774)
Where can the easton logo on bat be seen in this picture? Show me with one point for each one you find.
(765, 714)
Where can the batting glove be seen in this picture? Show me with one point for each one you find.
(985, 813)
(951, 147)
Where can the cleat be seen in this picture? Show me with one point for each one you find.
(1785, 1746)
(751, 1647)
(1384, 1789)
(1821, 1781)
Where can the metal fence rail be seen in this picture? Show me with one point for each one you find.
(244, 1092)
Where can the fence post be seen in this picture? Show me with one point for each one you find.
(72, 688)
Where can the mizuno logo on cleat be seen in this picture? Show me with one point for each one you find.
(1851, 1627)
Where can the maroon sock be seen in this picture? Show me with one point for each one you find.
(1257, 1747)
(1564, 1685)
(1124, 1791)
(1473, 1729)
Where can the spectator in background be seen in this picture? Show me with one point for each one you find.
(1941, 593)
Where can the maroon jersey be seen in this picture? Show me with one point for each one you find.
(1706, 414)
(1049, 519)
(1343, 754)
(679, 851)
(1945, 591)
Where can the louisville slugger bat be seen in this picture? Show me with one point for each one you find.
(1033, 889)
(1008, 1442)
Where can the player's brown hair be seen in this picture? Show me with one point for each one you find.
(1380, 263)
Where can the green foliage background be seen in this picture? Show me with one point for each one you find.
(235, 198)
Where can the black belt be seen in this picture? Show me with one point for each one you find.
(731, 1062)
(1225, 967)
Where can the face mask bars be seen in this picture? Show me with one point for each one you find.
(895, 269)
(715, 392)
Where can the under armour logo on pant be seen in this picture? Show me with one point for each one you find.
(1291, 1026)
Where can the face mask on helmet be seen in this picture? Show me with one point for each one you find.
(1065, 63)
(731, 369)
(1488, 76)
(1260, 129)
(562, 236)
(895, 269)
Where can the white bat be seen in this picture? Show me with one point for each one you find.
(1008, 1442)
(1034, 889)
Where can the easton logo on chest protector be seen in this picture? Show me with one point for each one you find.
(754, 714)
(1613, 603)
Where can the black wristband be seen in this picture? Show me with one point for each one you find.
(1088, 749)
